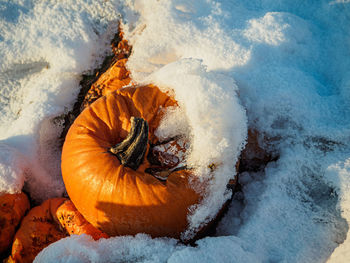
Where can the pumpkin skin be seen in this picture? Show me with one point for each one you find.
(52, 220)
(12, 209)
(38, 230)
(114, 198)
(74, 223)
(113, 79)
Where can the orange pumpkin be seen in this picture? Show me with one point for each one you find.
(45, 224)
(12, 208)
(107, 176)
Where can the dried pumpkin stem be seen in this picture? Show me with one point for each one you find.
(132, 149)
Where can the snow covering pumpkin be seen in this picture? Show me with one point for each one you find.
(12, 209)
(108, 177)
(52, 220)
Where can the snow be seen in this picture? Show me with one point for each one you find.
(217, 135)
(339, 173)
(140, 248)
(278, 67)
(12, 170)
(44, 48)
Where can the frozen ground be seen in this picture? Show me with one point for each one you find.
(280, 67)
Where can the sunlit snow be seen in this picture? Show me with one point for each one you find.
(279, 67)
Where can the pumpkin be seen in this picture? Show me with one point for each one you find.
(52, 220)
(12, 209)
(107, 175)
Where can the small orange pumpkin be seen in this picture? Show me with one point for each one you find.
(52, 220)
(12, 209)
(107, 176)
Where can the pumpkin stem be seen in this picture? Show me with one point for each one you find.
(131, 151)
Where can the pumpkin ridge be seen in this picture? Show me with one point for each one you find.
(158, 200)
(84, 151)
(108, 109)
(95, 114)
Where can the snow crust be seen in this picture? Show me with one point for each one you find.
(339, 173)
(140, 248)
(278, 67)
(12, 170)
(44, 48)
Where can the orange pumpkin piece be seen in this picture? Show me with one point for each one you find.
(45, 224)
(114, 78)
(12, 209)
(74, 223)
(123, 48)
(120, 46)
(105, 169)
